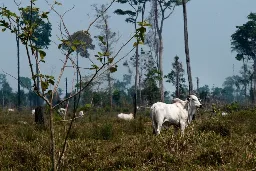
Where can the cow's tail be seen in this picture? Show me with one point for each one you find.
(154, 118)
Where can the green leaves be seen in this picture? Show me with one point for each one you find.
(125, 12)
(243, 40)
(45, 14)
(94, 67)
(57, 3)
(47, 80)
(73, 48)
(113, 68)
(144, 24)
(78, 42)
(42, 55)
(101, 39)
(239, 57)
(110, 60)
(140, 33)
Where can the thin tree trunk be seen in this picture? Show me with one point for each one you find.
(245, 83)
(197, 85)
(109, 73)
(110, 90)
(159, 32)
(177, 84)
(254, 82)
(161, 85)
(251, 92)
(53, 159)
(136, 78)
(3, 96)
(77, 79)
(18, 56)
(37, 81)
(186, 47)
(177, 66)
(66, 87)
(140, 76)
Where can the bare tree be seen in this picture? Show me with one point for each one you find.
(110, 38)
(190, 83)
(138, 7)
(166, 6)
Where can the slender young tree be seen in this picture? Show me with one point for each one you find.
(18, 58)
(162, 11)
(3, 80)
(110, 38)
(176, 76)
(81, 50)
(197, 84)
(138, 7)
(27, 38)
(41, 35)
(190, 82)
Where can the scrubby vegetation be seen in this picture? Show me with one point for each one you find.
(102, 142)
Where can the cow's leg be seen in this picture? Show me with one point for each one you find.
(154, 127)
(158, 127)
(182, 127)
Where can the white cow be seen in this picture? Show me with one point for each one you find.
(10, 110)
(81, 114)
(179, 114)
(62, 112)
(126, 117)
(33, 112)
(224, 113)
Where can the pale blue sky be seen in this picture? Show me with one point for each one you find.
(210, 25)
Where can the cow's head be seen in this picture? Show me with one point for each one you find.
(194, 100)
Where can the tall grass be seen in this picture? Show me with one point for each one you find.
(100, 141)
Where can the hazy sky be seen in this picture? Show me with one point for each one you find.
(210, 25)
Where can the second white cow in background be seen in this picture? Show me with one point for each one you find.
(126, 117)
(10, 110)
(179, 114)
(81, 114)
(62, 112)
(33, 111)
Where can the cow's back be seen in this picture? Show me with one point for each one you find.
(173, 113)
(165, 112)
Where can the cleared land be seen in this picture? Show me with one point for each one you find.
(100, 141)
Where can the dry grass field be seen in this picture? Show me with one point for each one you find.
(99, 141)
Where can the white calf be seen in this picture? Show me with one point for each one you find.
(62, 112)
(224, 113)
(10, 110)
(179, 114)
(33, 112)
(81, 114)
(126, 117)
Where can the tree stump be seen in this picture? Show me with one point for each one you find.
(39, 115)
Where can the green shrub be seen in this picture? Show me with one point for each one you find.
(102, 132)
(107, 109)
(26, 133)
(212, 158)
(216, 127)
